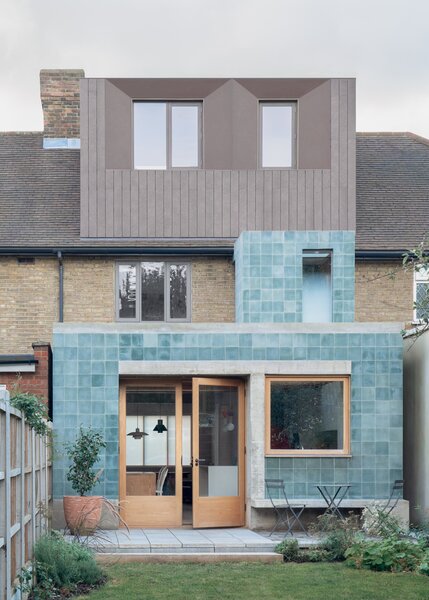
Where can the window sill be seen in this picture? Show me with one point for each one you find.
(308, 455)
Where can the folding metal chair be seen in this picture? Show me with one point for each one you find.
(395, 495)
(287, 514)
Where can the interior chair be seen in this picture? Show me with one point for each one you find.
(162, 476)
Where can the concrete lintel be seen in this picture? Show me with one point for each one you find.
(235, 367)
(382, 327)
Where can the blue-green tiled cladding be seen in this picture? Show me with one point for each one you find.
(268, 274)
(86, 389)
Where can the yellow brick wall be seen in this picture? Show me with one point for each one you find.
(213, 290)
(28, 303)
(89, 290)
(29, 296)
(383, 292)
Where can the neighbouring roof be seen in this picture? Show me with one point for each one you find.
(39, 194)
(392, 191)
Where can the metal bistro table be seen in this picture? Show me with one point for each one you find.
(333, 494)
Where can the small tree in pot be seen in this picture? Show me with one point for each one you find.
(82, 513)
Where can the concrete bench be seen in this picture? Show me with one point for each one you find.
(313, 502)
(259, 521)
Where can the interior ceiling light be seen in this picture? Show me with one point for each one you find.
(137, 434)
(160, 427)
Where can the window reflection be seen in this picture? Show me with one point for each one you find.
(127, 291)
(307, 415)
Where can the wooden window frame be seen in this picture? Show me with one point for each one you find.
(167, 264)
(344, 452)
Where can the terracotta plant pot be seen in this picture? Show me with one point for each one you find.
(82, 513)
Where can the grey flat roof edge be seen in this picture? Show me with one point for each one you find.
(358, 327)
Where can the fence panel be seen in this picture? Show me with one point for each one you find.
(25, 465)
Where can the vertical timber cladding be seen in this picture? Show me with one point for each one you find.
(216, 202)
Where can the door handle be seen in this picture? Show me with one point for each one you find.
(198, 461)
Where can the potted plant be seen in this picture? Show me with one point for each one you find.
(82, 513)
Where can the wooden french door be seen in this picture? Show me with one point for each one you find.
(218, 453)
(150, 454)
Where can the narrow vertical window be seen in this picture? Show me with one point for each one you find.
(178, 291)
(316, 287)
(421, 295)
(127, 281)
(150, 135)
(152, 291)
(277, 135)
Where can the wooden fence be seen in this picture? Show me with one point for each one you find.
(25, 492)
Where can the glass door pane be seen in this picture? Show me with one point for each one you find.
(151, 442)
(218, 441)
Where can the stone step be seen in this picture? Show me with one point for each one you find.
(185, 549)
(190, 557)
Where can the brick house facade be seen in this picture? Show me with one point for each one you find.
(245, 234)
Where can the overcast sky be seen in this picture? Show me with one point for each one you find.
(383, 43)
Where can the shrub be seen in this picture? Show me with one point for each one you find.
(378, 522)
(423, 567)
(84, 452)
(389, 554)
(315, 555)
(65, 564)
(337, 534)
(292, 553)
(289, 549)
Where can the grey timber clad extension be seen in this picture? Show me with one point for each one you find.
(229, 194)
(392, 196)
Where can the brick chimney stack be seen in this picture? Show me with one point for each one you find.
(59, 91)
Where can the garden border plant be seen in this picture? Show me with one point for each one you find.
(60, 568)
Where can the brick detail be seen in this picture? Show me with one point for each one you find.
(213, 290)
(60, 96)
(34, 383)
(384, 292)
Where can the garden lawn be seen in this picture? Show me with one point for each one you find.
(255, 581)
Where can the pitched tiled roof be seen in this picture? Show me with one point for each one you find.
(392, 189)
(39, 193)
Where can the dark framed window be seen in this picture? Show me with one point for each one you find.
(307, 415)
(167, 135)
(153, 291)
(277, 148)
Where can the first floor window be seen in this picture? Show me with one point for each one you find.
(277, 133)
(421, 295)
(153, 291)
(167, 135)
(307, 415)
